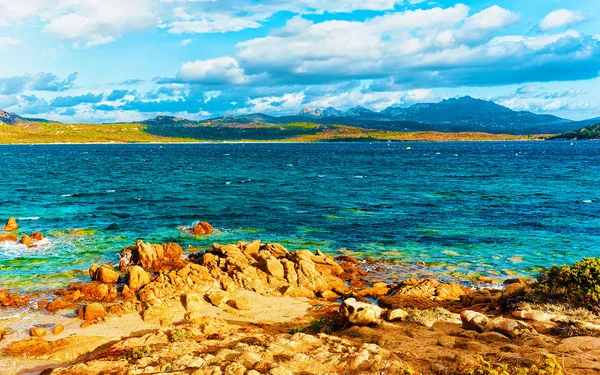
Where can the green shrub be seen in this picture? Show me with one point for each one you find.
(578, 284)
(548, 366)
(180, 336)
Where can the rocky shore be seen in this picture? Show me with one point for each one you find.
(255, 308)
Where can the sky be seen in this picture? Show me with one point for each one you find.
(128, 60)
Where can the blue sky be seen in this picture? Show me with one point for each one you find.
(127, 60)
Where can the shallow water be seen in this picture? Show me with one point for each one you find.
(491, 208)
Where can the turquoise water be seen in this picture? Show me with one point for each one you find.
(490, 208)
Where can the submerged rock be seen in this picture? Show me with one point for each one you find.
(8, 238)
(11, 225)
(37, 236)
(203, 228)
(27, 241)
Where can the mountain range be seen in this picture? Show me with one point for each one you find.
(465, 114)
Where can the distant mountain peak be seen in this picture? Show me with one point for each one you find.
(311, 112)
(8, 118)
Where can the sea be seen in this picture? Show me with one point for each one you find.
(463, 211)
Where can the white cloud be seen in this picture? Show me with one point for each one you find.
(12, 11)
(274, 104)
(185, 42)
(216, 23)
(224, 70)
(95, 22)
(8, 42)
(561, 18)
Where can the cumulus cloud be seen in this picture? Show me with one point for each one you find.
(223, 70)
(93, 22)
(71, 101)
(15, 11)
(38, 82)
(561, 18)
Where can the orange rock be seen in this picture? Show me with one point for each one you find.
(93, 311)
(58, 304)
(37, 236)
(37, 332)
(8, 237)
(11, 225)
(107, 275)
(58, 329)
(72, 297)
(27, 241)
(203, 228)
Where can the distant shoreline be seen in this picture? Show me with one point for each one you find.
(267, 142)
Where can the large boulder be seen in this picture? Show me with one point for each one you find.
(202, 228)
(8, 238)
(37, 236)
(475, 321)
(137, 277)
(152, 257)
(11, 225)
(92, 312)
(106, 275)
(360, 313)
(27, 241)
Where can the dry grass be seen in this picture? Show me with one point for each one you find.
(34, 132)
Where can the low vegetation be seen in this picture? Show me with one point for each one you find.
(587, 133)
(577, 285)
(40, 132)
(548, 366)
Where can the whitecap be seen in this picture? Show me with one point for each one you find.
(32, 218)
(227, 182)
(111, 191)
(359, 176)
(67, 195)
(587, 201)
(290, 165)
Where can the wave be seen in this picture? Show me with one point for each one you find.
(32, 218)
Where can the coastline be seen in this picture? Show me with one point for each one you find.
(160, 311)
(201, 142)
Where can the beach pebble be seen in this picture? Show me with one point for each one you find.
(37, 332)
(58, 329)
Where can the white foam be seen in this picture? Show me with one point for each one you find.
(67, 195)
(110, 191)
(32, 218)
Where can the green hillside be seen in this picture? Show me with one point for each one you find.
(589, 132)
(48, 132)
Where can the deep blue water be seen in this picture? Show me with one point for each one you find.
(465, 208)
